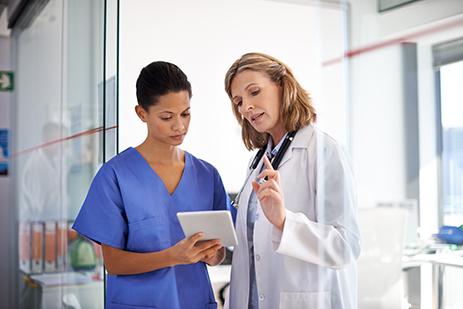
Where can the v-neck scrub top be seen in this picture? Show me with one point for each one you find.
(128, 207)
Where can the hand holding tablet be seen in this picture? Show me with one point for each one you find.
(216, 224)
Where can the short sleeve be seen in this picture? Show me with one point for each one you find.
(221, 199)
(102, 217)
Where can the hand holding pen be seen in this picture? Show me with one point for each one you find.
(270, 195)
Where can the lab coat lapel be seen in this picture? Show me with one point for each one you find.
(301, 140)
(246, 195)
(288, 154)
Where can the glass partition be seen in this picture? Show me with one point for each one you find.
(65, 127)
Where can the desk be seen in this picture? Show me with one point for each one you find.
(63, 290)
(439, 261)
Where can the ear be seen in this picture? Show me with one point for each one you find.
(141, 113)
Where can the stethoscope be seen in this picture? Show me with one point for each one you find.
(275, 162)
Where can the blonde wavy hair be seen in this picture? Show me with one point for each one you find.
(296, 109)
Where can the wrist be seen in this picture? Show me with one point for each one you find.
(281, 226)
(171, 257)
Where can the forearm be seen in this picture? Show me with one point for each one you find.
(316, 243)
(120, 262)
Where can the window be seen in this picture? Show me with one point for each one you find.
(451, 118)
(448, 59)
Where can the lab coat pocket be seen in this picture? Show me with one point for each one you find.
(147, 235)
(305, 300)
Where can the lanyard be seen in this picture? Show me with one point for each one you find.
(275, 162)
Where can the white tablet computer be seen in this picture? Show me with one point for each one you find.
(215, 224)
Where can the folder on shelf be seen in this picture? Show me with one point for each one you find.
(62, 245)
(24, 246)
(37, 247)
(50, 246)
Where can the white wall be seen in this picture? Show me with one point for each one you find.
(377, 127)
(204, 37)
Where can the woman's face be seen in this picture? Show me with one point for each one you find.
(258, 99)
(168, 120)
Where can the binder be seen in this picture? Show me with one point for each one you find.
(37, 247)
(50, 246)
(25, 246)
(62, 245)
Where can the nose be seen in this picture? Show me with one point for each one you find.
(178, 125)
(246, 106)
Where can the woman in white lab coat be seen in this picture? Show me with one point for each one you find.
(296, 221)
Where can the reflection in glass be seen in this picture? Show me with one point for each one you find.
(59, 146)
(41, 178)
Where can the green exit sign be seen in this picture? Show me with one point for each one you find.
(6, 81)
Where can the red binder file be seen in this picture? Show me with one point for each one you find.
(25, 246)
(37, 247)
(50, 246)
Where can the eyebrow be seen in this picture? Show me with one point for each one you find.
(251, 84)
(169, 112)
(245, 88)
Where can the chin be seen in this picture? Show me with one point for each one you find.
(176, 143)
(261, 129)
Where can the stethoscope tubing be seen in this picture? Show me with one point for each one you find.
(275, 162)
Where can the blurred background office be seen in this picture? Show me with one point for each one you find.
(386, 78)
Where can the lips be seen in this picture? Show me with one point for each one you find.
(256, 117)
(178, 136)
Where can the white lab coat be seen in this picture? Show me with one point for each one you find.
(312, 262)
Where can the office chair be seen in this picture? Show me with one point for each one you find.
(382, 231)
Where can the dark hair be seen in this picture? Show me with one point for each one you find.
(157, 79)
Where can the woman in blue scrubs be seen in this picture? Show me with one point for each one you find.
(133, 200)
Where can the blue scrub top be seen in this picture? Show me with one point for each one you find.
(128, 207)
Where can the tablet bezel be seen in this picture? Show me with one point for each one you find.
(215, 224)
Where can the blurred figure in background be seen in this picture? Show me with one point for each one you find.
(42, 181)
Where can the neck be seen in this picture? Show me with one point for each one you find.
(277, 135)
(157, 152)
